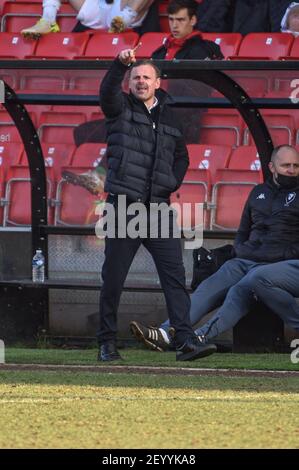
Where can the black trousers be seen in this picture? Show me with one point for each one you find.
(167, 255)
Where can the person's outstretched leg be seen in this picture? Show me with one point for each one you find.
(47, 23)
(209, 295)
(212, 291)
(277, 286)
(236, 305)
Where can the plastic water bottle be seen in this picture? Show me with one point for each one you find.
(38, 267)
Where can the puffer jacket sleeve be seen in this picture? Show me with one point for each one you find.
(111, 94)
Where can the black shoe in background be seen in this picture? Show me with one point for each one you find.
(193, 349)
(108, 352)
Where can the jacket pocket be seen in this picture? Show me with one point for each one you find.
(122, 167)
(172, 131)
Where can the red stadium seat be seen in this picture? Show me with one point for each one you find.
(37, 109)
(75, 205)
(229, 43)
(105, 45)
(264, 46)
(209, 157)
(60, 46)
(9, 133)
(14, 46)
(194, 190)
(229, 195)
(17, 211)
(245, 157)
(11, 78)
(8, 130)
(57, 156)
(294, 52)
(86, 81)
(280, 126)
(59, 127)
(89, 154)
(88, 111)
(44, 81)
(216, 128)
(10, 154)
(19, 15)
(1, 6)
(149, 43)
(67, 210)
(2, 193)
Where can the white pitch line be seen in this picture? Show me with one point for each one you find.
(123, 398)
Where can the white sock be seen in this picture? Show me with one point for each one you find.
(50, 9)
(165, 335)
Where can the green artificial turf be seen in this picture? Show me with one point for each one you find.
(142, 357)
(90, 410)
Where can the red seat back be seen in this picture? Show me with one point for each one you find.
(266, 45)
(149, 43)
(209, 157)
(194, 190)
(59, 127)
(107, 46)
(245, 157)
(61, 45)
(229, 195)
(229, 43)
(13, 45)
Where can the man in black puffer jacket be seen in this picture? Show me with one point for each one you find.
(266, 263)
(147, 160)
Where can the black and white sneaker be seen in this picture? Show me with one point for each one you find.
(151, 337)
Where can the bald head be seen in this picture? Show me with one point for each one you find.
(284, 161)
(283, 150)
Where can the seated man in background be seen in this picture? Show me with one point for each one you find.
(112, 15)
(184, 42)
(266, 265)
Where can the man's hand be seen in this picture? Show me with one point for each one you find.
(127, 56)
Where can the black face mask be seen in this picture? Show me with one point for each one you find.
(287, 182)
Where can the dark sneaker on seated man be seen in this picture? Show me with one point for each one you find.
(158, 340)
(193, 349)
(108, 352)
